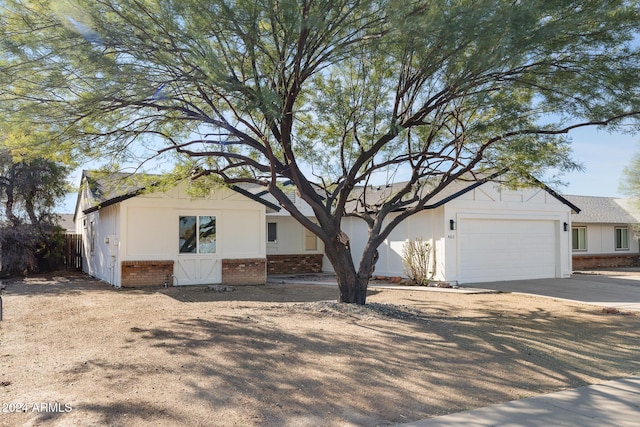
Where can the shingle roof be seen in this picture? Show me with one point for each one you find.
(108, 189)
(376, 195)
(604, 210)
(66, 221)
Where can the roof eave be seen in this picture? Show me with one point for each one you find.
(112, 201)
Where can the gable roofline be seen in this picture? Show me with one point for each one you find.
(141, 189)
(574, 208)
(113, 201)
(256, 197)
(93, 184)
(492, 177)
(459, 193)
(562, 199)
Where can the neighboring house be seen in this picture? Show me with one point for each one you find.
(133, 238)
(604, 233)
(65, 221)
(480, 231)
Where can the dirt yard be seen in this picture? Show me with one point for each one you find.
(75, 352)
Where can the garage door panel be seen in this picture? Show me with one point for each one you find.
(492, 249)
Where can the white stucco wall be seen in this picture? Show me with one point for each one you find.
(290, 237)
(145, 227)
(424, 225)
(100, 259)
(601, 239)
(487, 201)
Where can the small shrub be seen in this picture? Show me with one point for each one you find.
(415, 258)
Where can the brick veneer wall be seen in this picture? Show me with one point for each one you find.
(245, 271)
(294, 264)
(585, 262)
(145, 273)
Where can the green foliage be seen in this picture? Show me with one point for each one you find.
(30, 187)
(50, 249)
(346, 87)
(327, 94)
(631, 177)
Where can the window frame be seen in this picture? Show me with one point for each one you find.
(621, 228)
(92, 236)
(272, 238)
(198, 234)
(578, 248)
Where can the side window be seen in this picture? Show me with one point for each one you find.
(197, 234)
(579, 238)
(92, 236)
(272, 232)
(622, 238)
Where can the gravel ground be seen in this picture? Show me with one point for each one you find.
(74, 351)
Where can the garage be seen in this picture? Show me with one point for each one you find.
(506, 249)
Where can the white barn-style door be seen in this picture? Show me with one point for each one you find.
(197, 246)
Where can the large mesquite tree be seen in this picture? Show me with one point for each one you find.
(330, 95)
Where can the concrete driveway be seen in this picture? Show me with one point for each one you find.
(620, 290)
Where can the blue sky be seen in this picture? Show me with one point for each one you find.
(604, 156)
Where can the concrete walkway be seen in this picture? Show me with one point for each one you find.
(612, 403)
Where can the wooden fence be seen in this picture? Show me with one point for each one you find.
(73, 251)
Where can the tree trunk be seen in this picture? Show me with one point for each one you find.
(30, 208)
(8, 207)
(352, 285)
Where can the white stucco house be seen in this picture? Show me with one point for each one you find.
(133, 237)
(605, 232)
(480, 231)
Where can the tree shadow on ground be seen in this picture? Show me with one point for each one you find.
(68, 283)
(259, 293)
(376, 369)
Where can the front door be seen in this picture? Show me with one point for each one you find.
(198, 261)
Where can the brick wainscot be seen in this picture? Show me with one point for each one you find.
(244, 271)
(587, 262)
(294, 264)
(146, 273)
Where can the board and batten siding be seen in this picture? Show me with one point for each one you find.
(526, 223)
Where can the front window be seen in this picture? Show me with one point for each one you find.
(622, 238)
(197, 234)
(579, 238)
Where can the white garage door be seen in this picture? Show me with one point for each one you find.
(492, 250)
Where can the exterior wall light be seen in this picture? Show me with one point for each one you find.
(452, 224)
(566, 227)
